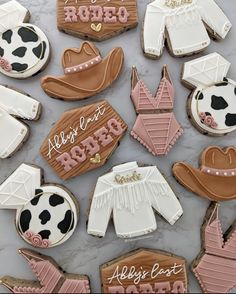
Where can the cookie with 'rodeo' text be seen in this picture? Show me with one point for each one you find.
(83, 139)
(145, 271)
(96, 19)
(46, 214)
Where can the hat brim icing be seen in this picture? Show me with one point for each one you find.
(212, 187)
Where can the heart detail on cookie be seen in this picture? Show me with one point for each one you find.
(97, 28)
(96, 159)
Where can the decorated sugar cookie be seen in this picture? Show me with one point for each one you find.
(215, 267)
(83, 139)
(215, 179)
(96, 19)
(86, 73)
(131, 194)
(46, 214)
(145, 271)
(24, 48)
(15, 105)
(212, 104)
(184, 24)
(50, 277)
(156, 126)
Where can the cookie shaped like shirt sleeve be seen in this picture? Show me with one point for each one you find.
(101, 208)
(214, 17)
(154, 30)
(163, 198)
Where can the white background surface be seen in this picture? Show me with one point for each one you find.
(83, 253)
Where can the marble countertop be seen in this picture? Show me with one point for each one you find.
(83, 253)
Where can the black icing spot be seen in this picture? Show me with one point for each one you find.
(208, 113)
(45, 216)
(38, 191)
(19, 66)
(25, 219)
(223, 84)
(35, 200)
(225, 79)
(39, 51)
(20, 52)
(55, 200)
(1, 51)
(7, 36)
(45, 234)
(235, 90)
(218, 102)
(199, 96)
(65, 225)
(230, 119)
(28, 34)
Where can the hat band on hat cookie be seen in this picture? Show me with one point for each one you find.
(219, 172)
(83, 66)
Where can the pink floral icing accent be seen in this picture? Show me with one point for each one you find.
(36, 240)
(5, 64)
(208, 120)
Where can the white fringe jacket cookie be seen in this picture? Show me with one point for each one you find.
(131, 193)
(184, 23)
(46, 215)
(24, 48)
(212, 104)
(14, 133)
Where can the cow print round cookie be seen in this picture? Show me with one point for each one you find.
(212, 104)
(46, 215)
(24, 48)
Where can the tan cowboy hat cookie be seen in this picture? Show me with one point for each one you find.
(86, 73)
(215, 180)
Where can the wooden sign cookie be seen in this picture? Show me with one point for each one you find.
(83, 139)
(96, 19)
(145, 271)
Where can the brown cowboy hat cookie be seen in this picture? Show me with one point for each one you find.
(86, 73)
(215, 179)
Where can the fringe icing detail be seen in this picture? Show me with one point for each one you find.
(130, 196)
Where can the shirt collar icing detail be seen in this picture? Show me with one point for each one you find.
(130, 166)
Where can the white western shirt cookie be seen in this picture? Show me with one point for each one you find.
(24, 48)
(131, 193)
(184, 22)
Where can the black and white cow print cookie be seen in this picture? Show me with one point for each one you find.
(46, 214)
(24, 48)
(212, 104)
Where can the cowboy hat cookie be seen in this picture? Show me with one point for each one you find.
(96, 19)
(50, 277)
(145, 271)
(215, 180)
(24, 48)
(46, 214)
(156, 126)
(184, 24)
(86, 73)
(215, 266)
(131, 193)
(83, 139)
(15, 105)
(212, 104)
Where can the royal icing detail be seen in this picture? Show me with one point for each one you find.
(156, 130)
(24, 48)
(97, 20)
(83, 139)
(185, 22)
(51, 278)
(216, 268)
(86, 73)
(145, 271)
(216, 176)
(212, 103)
(46, 215)
(14, 104)
(130, 200)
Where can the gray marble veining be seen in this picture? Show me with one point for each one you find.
(83, 253)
